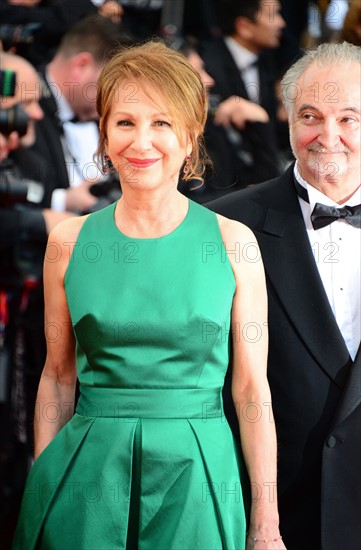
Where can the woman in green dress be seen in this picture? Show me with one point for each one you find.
(144, 300)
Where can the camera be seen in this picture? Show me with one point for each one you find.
(13, 188)
(14, 119)
(13, 35)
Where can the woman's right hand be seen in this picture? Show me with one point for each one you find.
(260, 542)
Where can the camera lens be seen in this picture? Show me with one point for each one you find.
(14, 119)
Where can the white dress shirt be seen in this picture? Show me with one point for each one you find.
(80, 142)
(337, 252)
(245, 61)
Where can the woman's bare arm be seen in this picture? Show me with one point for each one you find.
(55, 398)
(250, 389)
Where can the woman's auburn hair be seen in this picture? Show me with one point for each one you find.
(154, 66)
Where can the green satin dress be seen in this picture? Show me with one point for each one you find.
(148, 461)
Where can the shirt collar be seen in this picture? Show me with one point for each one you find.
(65, 112)
(315, 195)
(243, 58)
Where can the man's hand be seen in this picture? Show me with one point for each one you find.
(27, 3)
(80, 199)
(111, 9)
(237, 111)
(8, 144)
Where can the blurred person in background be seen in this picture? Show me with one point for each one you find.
(333, 20)
(25, 226)
(242, 61)
(229, 122)
(67, 136)
(34, 28)
(351, 31)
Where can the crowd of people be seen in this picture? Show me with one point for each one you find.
(219, 142)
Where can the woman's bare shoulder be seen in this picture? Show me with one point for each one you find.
(234, 231)
(67, 231)
(61, 242)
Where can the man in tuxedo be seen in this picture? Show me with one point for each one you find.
(307, 223)
(229, 172)
(241, 62)
(242, 65)
(67, 136)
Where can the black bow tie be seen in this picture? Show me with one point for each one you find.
(323, 214)
(74, 120)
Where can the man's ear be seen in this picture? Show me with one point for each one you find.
(81, 60)
(243, 28)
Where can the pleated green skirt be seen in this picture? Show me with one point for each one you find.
(116, 478)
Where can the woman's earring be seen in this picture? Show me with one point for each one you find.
(186, 166)
(109, 165)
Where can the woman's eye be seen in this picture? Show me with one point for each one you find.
(124, 123)
(162, 123)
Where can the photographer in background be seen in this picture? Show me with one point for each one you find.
(22, 246)
(20, 195)
(67, 136)
(44, 23)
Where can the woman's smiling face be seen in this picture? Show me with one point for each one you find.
(143, 140)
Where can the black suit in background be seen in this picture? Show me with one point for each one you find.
(52, 171)
(258, 141)
(48, 141)
(316, 387)
(220, 64)
(230, 171)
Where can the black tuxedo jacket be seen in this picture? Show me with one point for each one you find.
(220, 65)
(316, 387)
(48, 143)
(44, 161)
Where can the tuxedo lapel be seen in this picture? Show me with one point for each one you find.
(221, 66)
(47, 98)
(237, 86)
(49, 132)
(266, 74)
(351, 395)
(294, 276)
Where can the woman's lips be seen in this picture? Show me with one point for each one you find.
(142, 163)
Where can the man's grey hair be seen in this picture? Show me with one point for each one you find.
(325, 55)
